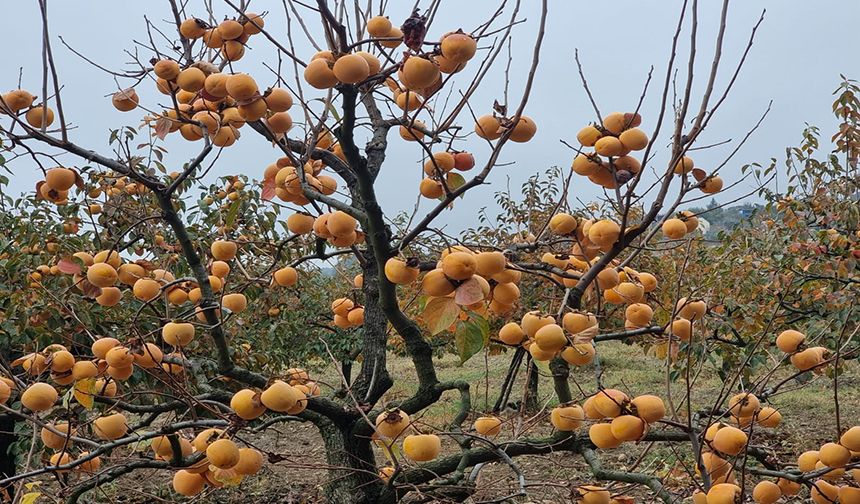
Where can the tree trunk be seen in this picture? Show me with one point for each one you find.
(532, 404)
(373, 379)
(346, 370)
(352, 478)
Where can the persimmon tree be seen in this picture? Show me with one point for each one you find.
(144, 322)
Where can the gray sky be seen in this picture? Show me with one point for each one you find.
(796, 61)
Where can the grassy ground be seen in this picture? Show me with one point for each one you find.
(808, 421)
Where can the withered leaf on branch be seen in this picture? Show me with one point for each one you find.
(414, 29)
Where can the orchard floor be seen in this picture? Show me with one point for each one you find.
(808, 421)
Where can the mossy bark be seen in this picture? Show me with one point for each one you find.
(352, 477)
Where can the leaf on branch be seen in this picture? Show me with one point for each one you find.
(162, 127)
(268, 190)
(85, 391)
(69, 267)
(79, 181)
(483, 325)
(333, 111)
(469, 292)
(500, 109)
(543, 366)
(456, 181)
(90, 290)
(390, 449)
(469, 339)
(231, 214)
(440, 313)
(699, 174)
(414, 29)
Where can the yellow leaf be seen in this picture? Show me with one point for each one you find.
(440, 313)
(30, 498)
(390, 449)
(84, 392)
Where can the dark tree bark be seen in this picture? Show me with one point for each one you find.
(373, 379)
(532, 403)
(352, 476)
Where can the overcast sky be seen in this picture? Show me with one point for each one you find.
(798, 55)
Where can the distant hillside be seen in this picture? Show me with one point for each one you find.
(725, 218)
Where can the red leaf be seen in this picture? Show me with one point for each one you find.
(469, 292)
(414, 29)
(79, 181)
(268, 190)
(90, 290)
(162, 127)
(39, 185)
(69, 267)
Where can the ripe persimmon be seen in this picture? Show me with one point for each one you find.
(627, 427)
(378, 26)
(790, 340)
(178, 334)
(419, 73)
(729, 440)
(458, 47)
(488, 127)
(188, 484)
(601, 435)
(674, 229)
(567, 417)
(422, 447)
(604, 232)
(633, 139)
(319, 74)
(550, 338)
(392, 423)
(648, 407)
(125, 100)
(39, 116)
(684, 165)
(279, 397)
(488, 426)
(17, 99)
(459, 265)
(278, 100)
(110, 427)
(351, 69)
(250, 461)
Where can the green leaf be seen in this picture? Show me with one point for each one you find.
(231, 214)
(543, 366)
(483, 324)
(333, 110)
(440, 313)
(455, 181)
(469, 339)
